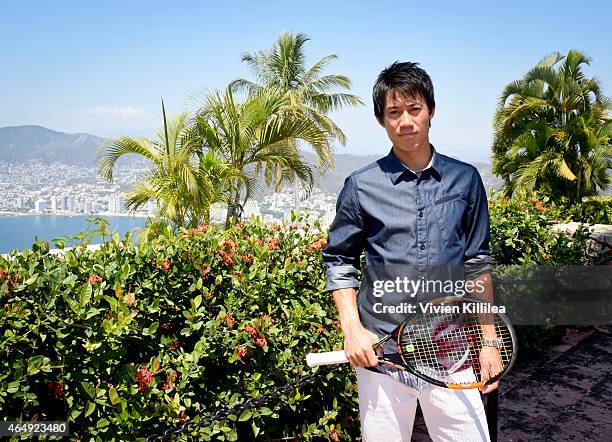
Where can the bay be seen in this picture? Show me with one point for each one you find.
(18, 232)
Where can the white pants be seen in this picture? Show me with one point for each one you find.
(387, 409)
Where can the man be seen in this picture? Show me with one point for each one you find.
(420, 210)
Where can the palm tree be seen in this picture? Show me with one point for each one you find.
(254, 138)
(308, 93)
(183, 181)
(552, 130)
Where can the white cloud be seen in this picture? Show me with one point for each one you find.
(118, 111)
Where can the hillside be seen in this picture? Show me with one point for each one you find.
(23, 143)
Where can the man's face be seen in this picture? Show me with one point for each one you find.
(406, 120)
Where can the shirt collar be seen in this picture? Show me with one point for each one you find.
(396, 169)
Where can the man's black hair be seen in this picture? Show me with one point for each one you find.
(405, 78)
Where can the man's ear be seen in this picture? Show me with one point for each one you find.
(431, 115)
(381, 122)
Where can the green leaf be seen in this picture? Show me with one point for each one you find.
(113, 396)
(91, 406)
(102, 423)
(37, 364)
(232, 435)
(89, 388)
(255, 428)
(153, 328)
(245, 416)
(85, 297)
(265, 411)
(197, 301)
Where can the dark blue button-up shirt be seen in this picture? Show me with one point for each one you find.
(438, 217)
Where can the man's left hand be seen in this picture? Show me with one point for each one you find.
(490, 366)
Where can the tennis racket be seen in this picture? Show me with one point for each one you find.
(445, 345)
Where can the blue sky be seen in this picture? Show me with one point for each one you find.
(102, 67)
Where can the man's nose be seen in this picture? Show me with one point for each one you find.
(406, 119)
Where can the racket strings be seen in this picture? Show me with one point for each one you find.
(444, 346)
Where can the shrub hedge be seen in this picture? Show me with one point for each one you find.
(128, 341)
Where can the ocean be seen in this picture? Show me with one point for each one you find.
(17, 232)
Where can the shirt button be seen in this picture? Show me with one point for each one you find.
(422, 246)
(420, 214)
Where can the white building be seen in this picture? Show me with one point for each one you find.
(116, 203)
(251, 208)
(40, 205)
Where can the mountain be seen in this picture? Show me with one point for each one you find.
(23, 143)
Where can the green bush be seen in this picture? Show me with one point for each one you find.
(594, 210)
(127, 341)
(521, 234)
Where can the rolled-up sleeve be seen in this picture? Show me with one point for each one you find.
(477, 258)
(344, 240)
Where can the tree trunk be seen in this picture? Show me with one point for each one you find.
(296, 193)
(578, 196)
(233, 205)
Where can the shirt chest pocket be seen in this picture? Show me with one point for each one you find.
(448, 211)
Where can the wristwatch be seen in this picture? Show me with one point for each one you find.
(497, 343)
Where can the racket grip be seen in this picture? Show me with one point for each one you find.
(326, 358)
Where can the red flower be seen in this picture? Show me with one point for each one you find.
(334, 436)
(204, 270)
(203, 228)
(94, 279)
(251, 330)
(318, 244)
(165, 265)
(226, 252)
(56, 388)
(320, 329)
(273, 243)
(241, 352)
(174, 344)
(169, 384)
(229, 321)
(261, 342)
(130, 299)
(144, 377)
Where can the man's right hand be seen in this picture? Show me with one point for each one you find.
(358, 344)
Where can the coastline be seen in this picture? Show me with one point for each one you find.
(8, 213)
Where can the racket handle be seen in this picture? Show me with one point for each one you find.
(326, 358)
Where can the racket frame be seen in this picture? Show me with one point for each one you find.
(396, 335)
